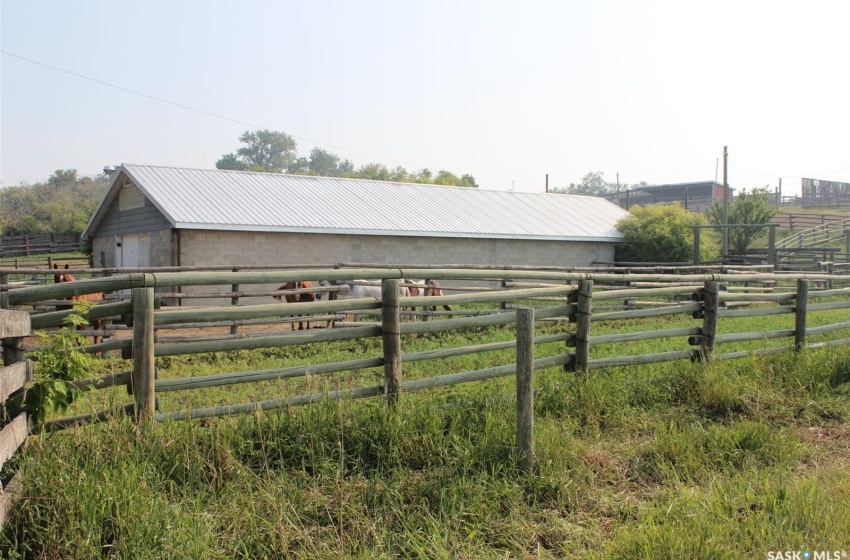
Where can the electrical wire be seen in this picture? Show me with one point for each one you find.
(203, 112)
(668, 176)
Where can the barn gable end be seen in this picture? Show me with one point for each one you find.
(126, 211)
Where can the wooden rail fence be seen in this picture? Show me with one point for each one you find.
(570, 298)
(26, 245)
(14, 375)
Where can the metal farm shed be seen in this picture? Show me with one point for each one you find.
(167, 216)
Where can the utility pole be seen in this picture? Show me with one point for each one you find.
(725, 204)
(780, 192)
(618, 189)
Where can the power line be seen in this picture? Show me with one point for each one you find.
(203, 112)
(668, 176)
(789, 176)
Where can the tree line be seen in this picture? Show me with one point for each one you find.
(594, 184)
(62, 205)
(269, 151)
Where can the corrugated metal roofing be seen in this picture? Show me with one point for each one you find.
(245, 201)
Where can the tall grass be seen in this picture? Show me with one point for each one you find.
(668, 461)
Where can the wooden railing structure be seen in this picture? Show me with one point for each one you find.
(26, 245)
(14, 375)
(527, 297)
(805, 221)
(832, 232)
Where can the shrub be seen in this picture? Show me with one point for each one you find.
(662, 233)
(58, 361)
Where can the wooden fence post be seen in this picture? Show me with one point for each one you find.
(525, 387)
(800, 305)
(234, 301)
(391, 332)
(711, 298)
(4, 290)
(696, 246)
(583, 310)
(426, 291)
(503, 306)
(143, 356)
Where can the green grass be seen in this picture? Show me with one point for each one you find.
(673, 460)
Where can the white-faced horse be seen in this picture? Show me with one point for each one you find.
(359, 289)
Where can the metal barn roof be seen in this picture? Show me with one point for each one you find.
(246, 201)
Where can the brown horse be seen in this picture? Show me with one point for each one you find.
(61, 277)
(298, 298)
(427, 288)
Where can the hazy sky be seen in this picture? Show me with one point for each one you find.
(507, 91)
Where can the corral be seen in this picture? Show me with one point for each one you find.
(623, 323)
(553, 296)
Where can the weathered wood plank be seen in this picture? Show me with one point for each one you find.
(67, 289)
(829, 293)
(756, 298)
(14, 377)
(304, 337)
(211, 314)
(252, 407)
(486, 297)
(14, 324)
(641, 359)
(643, 313)
(744, 337)
(478, 348)
(829, 305)
(761, 311)
(221, 379)
(57, 318)
(483, 320)
(84, 419)
(828, 328)
(110, 380)
(114, 344)
(8, 496)
(12, 437)
(606, 295)
(644, 335)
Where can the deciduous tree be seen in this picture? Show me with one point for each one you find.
(265, 151)
(748, 208)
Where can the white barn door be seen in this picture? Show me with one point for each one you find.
(132, 250)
